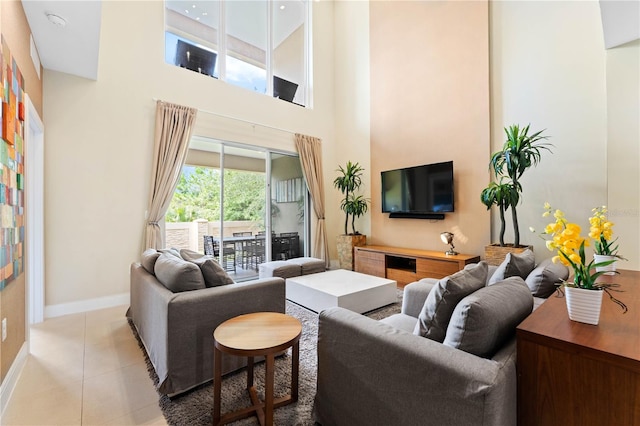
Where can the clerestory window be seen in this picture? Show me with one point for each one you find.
(260, 45)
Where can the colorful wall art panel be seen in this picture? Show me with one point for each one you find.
(11, 169)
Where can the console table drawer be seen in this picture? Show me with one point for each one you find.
(434, 268)
(401, 276)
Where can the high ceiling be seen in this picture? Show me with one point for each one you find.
(74, 47)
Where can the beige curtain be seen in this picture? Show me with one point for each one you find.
(310, 152)
(174, 124)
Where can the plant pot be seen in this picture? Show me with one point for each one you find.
(346, 243)
(583, 305)
(609, 269)
(494, 254)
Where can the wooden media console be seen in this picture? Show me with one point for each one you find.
(405, 265)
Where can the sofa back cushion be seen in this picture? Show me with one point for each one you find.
(514, 265)
(485, 319)
(214, 275)
(443, 298)
(543, 279)
(177, 274)
(148, 259)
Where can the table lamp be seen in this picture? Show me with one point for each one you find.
(447, 238)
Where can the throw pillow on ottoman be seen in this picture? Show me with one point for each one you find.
(309, 265)
(279, 268)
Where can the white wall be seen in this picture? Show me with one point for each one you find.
(352, 109)
(100, 138)
(623, 148)
(548, 69)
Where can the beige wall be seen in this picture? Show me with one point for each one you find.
(430, 103)
(548, 69)
(623, 148)
(99, 137)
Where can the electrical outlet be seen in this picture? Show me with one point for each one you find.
(4, 329)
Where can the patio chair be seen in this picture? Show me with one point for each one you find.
(228, 257)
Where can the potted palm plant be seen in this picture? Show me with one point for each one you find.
(353, 205)
(520, 151)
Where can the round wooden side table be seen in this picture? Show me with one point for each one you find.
(257, 334)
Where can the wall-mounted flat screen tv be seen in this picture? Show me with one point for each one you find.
(418, 190)
(195, 58)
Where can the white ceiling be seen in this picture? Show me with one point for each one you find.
(288, 15)
(74, 48)
(71, 49)
(620, 21)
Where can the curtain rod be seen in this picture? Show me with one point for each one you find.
(237, 119)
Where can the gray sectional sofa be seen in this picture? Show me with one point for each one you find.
(177, 303)
(449, 357)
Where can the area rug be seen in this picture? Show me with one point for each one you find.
(194, 407)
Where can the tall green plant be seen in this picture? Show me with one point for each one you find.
(519, 152)
(503, 196)
(348, 182)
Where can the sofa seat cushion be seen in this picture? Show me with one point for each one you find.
(514, 264)
(148, 259)
(214, 275)
(279, 268)
(309, 265)
(177, 274)
(443, 298)
(485, 319)
(401, 322)
(543, 279)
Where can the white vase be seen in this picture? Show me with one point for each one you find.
(609, 269)
(584, 305)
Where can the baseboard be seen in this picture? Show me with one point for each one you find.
(11, 379)
(51, 311)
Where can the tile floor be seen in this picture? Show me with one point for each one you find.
(84, 369)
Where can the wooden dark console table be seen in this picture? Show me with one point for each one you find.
(405, 265)
(571, 373)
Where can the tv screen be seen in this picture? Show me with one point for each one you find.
(195, 58)
(418, 190)
(284, 89)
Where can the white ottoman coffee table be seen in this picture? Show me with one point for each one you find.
(351, 290)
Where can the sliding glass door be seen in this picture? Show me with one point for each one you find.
(249, 202)
(288, 207)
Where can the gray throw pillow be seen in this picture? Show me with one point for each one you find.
(173, 251)
(484, 320)
(214, 275)
(443, 298)
(148, 259)
(514, 265)
(177, 274)
(543, 279)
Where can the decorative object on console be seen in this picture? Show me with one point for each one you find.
(447, 238)
(348, 182)
(519, 152)
(601, 231)
(570, 247)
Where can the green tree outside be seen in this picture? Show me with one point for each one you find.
(197, 195)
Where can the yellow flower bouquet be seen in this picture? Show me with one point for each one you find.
(601, 231)
(566, 240)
